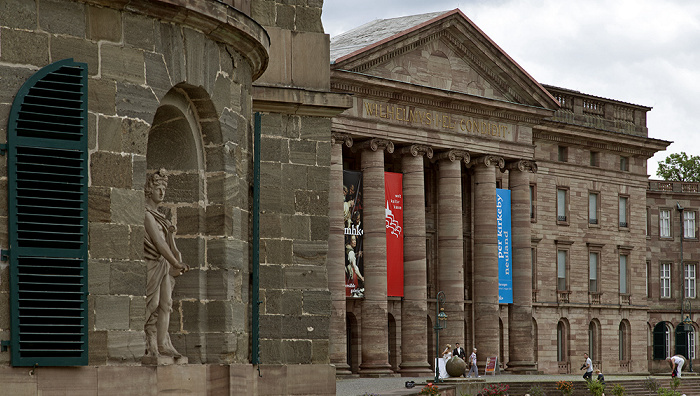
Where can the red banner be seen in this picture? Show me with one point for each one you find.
(393, 193)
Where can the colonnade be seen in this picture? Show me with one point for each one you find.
(450, 247)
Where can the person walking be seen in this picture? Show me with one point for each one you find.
(473, 367)
(588, 365)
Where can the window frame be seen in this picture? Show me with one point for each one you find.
(690, 280)
(595, 158)
(595, 249)
(596, 209)
(626, 224)
(565, 220)
(669, 220)
(562, 153)
(624, 163)
(665, 280)
(687, 224)
(533, 202)
(626, 270)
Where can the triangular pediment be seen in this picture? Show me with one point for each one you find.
(445, 51)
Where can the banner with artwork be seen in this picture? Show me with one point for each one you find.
(505, 264)
(352, 218)
(393, 195)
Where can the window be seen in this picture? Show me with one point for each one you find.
(593, 259)
(685, 341)
(691, 343)
(595, 158)
(562, 341)
(533, 257)
(624, 164)
(623, 211)
(561, 270)
(562, 204)
(593, 208)
(665, 280)
(623, 274)
(47, 150)
(689, 224)
(647, 281)
(563, 152)
(662, 341)
(646, 223)
(624, 341)
(664, 223)
(533, 203)
(689, 279)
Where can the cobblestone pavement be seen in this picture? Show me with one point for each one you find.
(396, 385)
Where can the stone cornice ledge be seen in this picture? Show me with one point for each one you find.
(299, 101)
(217, 20)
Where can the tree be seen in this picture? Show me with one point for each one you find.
(680, 167)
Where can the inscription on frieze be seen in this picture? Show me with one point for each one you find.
(446, 121)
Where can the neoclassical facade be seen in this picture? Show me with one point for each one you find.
(435, 100)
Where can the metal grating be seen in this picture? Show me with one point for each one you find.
(47, 180)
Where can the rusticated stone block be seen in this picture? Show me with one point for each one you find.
(98, 276)
(303, 152)
(276, 251)
(316, 128)
(306, 327)
(320, 352)
(123, 204)
(320, 226)
(125, 346)
(272, 200)
(60, 17)
(137, 312)
(271, 277)
(227, 254)
(270, 225)
(194, 51)
(109, 240)
(305, 277)
(308, 19)
(97, 353)
(274, 149)
(296, 227)
(24, 47)
(311, 202)
(270, 175)
(122, 64)
(139, 32)
(317, 302)
(192, 250)
(285, 16)
(99, 204)
(219, 284)
(318, 177)
(189, 220)
(110, 170)
(296, 351)
(112, 312)
(172, 48)
(136, 101)
(219, 159)
(18, 14)
(104, 24)
(323, 154)
(182, 188)
(127, 278)
(263, 12)
(137, 234)
(270, 351)
(102, 96)
(239, 321)
(273, 125)
(78, 49)
(141, 380)
(218, 220)
(294, 176)
(12, 78)
(157, 74)
(138, 163)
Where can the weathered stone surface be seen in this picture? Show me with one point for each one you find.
(138, 163)
(182, 187)
(127, 278)
(218, 220)
(270, 175)
(110, 170)
(104, 24)
(136, 101)
(22, 47)
(194, 50)
(310, 253)
(271, 277)
(317, 302)
(285, 16)
(219, 285)
(140, 32)
(137, 311)
(189, 220)
(270, 225)
(323, 153)
(12, 79)
(296, 351)
(125, 346)
(134, 132)
(272, 200)
(122, 64)
(294, 176)
(98, 276)
(92, 131)
(305, 277)
(141, 380)
(4, 310)
(112, 312)
(318, 178)
(157, 74)
(110, 136)
(302, 152)
(97, 354)
(102, 96)
(60, 17)
(137, 234)
(108, 240)
(263, 12)
(276, 251)
(123, 204)
(74, 380)
(78, 49)
(220, 158)
(455, 366)
(308, 19)
(172, 48)
(227, 254)
(192, 250)
(316, 128)
(18, 14)
(296, 227)
(273, 149)
(320, 226)
(311, 202)
(320, 352)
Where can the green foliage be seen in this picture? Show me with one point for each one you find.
(651, 384)
(667, 392)
(496, 390)
(675, 383)
(430, 390)
(536, 390)
(680, 167)
(619, 390)
(565, 387)
(596, 388)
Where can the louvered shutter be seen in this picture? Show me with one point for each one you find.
(47, 180)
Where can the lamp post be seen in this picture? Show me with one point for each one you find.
(687, 315)
(440, 323)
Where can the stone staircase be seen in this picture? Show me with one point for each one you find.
(689, 386)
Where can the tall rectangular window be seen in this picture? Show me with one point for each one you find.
(592, 208)
(561, 204)
(595, 158)
(646, 223)
(665, 280)
(624, 164)
(623, 274)
(689, 224)
(593, 272)
(533, 257)
(690, 280)
(646, 278)
(664, 223)
(561, 270)
(533, 202)
(563, 153)
(623, 212)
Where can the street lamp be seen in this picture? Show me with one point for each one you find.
(686, 314)
(440, 323)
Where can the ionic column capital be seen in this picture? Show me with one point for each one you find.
(454, 155)
(417, 150)
(341, 138)
(489, 160)
(374, 145)
(522, 166)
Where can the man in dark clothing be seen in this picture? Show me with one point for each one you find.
(459, 351)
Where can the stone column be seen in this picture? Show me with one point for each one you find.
(375, 348)
(486, 310)
(521, 344)
(451, 244)
(336, 257)
(414, 309)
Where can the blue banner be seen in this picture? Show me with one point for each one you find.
(505, 263)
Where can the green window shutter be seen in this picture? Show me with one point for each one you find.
(47, 181)
(659, 349)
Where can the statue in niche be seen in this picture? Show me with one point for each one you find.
(164, 263)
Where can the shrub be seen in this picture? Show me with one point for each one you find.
(596, 388)
(619, 390)
(430, 390)
(496, 390)
(565, 387)
(536, 390)
(651, 384)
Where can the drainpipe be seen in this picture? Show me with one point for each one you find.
(255, 342)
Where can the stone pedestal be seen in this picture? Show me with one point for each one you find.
(163, 360)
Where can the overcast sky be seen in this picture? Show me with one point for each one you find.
(644, 52)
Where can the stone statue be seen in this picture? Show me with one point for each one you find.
(164, 263)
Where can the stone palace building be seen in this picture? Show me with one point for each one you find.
(320, 208)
